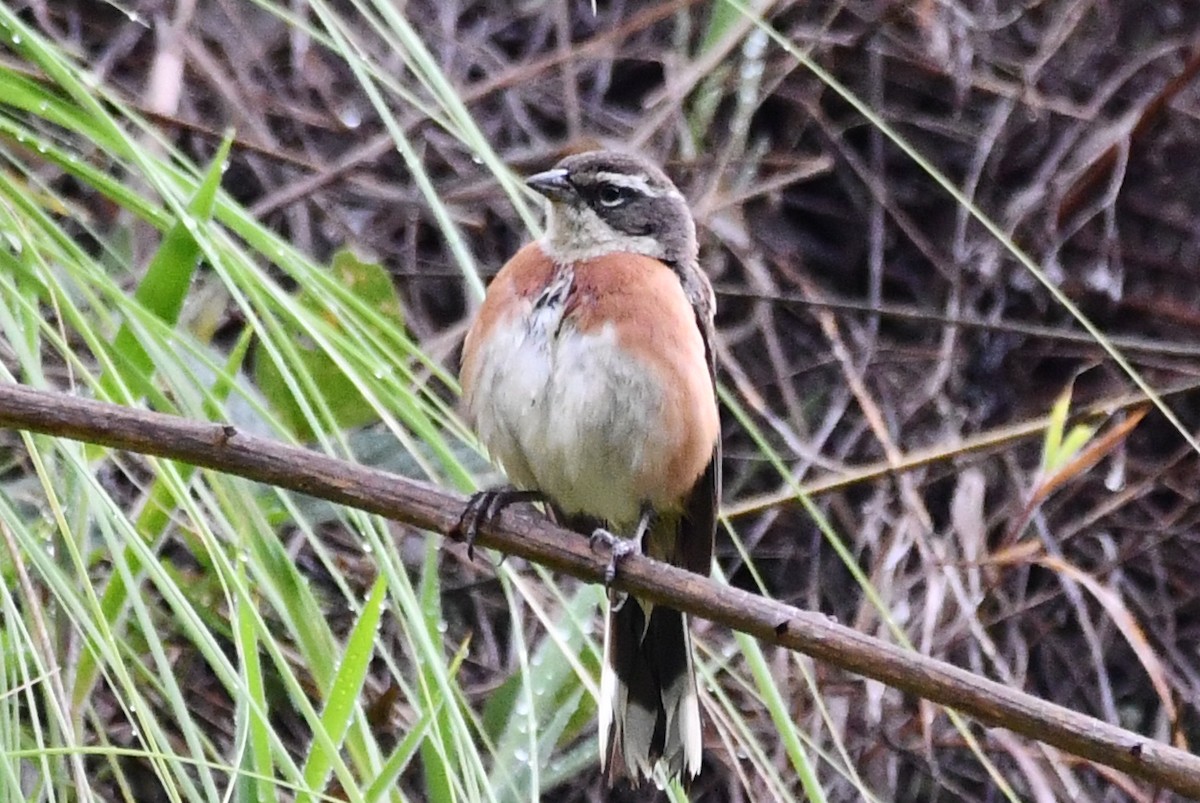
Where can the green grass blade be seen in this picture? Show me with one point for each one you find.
(168, 277)
(341, 701)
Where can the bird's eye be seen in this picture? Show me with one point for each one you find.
(612, 195)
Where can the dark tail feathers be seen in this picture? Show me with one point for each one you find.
(649, 708)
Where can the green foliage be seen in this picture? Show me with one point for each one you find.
(167, 279)
(109, 578)
(1060, 444)
(372, 286)
(534, 714)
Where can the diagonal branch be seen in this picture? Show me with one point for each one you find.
(223, 448)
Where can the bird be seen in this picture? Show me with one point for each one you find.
(588, 374)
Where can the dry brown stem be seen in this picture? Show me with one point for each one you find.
(222, 448)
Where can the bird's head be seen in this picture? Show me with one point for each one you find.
(604, 202)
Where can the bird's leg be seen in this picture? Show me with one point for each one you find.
(485, 506)
(621, 547)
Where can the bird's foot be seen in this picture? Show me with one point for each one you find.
(622, 548)
(619, 549)
(485, 506)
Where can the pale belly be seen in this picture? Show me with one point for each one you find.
(572, 417)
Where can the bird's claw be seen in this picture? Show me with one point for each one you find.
(619, 549)
(467, 528)
(484, 506)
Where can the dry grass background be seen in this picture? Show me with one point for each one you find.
(864, 314)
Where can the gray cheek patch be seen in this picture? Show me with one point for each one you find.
(637, 218)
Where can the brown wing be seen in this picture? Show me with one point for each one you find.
(698, 525)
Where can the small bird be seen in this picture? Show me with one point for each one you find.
(589, 376)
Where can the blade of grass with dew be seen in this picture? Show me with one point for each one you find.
(21, 679)
(341, 699)
(805, 771)
(402, 37)
(371, 283)
(439, 754)
(168, 276)
(401, 757)
(543, 705)
(161, 292)
(454, 240)
(703, 103)
(766, 683)
(768, 690)
(756, 752)
(248, 717)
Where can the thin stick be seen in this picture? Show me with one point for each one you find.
(223, 448)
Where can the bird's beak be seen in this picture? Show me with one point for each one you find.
(553, 184)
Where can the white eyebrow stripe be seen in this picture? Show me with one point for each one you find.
(636, 183)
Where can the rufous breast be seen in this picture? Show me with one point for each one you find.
(590, 382)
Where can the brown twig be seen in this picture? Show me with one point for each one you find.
(981, 443)
(223, 448)
(1085, 185)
